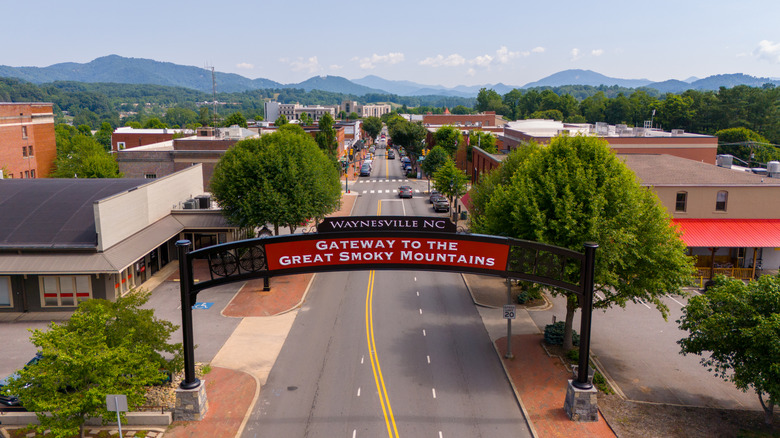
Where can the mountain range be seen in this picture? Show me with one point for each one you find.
(118, 69)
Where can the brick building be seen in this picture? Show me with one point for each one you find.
(481, 120)
(27, 144)
(127, 137)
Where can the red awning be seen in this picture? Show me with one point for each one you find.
(466, 200)
(730, 233)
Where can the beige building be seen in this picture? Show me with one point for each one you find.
(293, 111)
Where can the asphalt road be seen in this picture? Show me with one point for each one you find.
(391, 353)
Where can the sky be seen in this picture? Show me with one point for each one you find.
(429, 42)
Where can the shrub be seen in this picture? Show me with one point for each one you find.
(529, 293)
(553, 334)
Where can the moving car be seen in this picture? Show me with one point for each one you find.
(434, 194)
(441, 204)
(390, 155)
(365, 169)
(405, 192)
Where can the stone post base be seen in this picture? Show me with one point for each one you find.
(581, 404)
(191, 404)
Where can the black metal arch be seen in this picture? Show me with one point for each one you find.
(520, 259)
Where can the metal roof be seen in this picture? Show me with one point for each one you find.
(730, 233)
(52, 213)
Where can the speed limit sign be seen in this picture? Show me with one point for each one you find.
(510, 311)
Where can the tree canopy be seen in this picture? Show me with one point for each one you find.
(372, 126)
(235, 119)
(735, 327)
(81, 156)
(576, 190)
(409, 135)
(747, 145)
(104, 348)
(449, 180)
(282, 179)
(434, 160)
(326, 138)
(449, 138)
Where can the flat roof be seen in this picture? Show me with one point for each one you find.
(668, 170)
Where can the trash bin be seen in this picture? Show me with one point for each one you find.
(463, 215)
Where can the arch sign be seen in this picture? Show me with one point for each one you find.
(386, 243)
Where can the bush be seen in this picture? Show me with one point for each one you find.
(553, 334)
(529, 293)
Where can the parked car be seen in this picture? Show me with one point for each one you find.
(434, 194)
(371, 150)
(365, 169)
(6, 397)
(441, 204)
(405, 192)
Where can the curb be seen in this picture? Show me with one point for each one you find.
(517, 395)
(474, 300)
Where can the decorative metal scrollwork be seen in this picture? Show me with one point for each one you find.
(309, 230)
(253, 259)
(521, 259)
(541, 263)
(223, 264)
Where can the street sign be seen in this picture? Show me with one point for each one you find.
(116, 402)
(510, 311)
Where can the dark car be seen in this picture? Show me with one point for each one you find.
(434, 194)
(441, 204)
(405, 192)
(6, 397)
(365, 169)
(390, 155)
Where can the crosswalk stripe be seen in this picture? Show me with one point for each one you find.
(372, 191)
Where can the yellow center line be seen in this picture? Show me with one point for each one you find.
(384, 398)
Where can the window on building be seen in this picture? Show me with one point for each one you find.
(5, 292)
(682, 201)
(26, 173)
(24, 151)
(120, 145)
(58, 291)
(24, 132)
(721, 200)
(150, 176)
(30, 150)
(32, 173)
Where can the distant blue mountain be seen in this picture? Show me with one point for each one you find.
(118, 69)
(585, 77)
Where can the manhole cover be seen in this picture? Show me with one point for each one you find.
(292, 388)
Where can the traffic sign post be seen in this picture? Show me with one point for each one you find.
(117, 403)
(509, 313)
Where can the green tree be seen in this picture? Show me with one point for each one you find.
(205, 116)
(575, 191)
(353, 116)
(449, 138)
(434, 160)
(306, 119)
(746, 145)
(104, 348)
(737, 325)
(103, 135)
(178, 116)
(372, 126)
(154, 123)
(281, 120)
(450, 181)
(483, 140)
(326, 138)
(460, 109)
(282, 179)
(594, 107)
(409, 135)
(133, 124)
(341, 115)
(553, 114)
(490, 100)
(235, 119)
(81, 156)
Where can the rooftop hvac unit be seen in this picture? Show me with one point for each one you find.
(190, 204)
(773, 169)
(677, 132)
(724, 160)
(639, 132)
(204, 201)
(621, 129)
(602, 128)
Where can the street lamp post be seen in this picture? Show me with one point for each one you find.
(265, 232)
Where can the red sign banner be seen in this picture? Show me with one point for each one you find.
(387, 250)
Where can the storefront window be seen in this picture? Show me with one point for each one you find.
(5, 292)
(65, 290)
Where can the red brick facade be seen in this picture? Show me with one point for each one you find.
(488, 118)
(27, 144)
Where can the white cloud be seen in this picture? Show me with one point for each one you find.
(482, 61)
(471, 72)
(440, 61)
(335, 67)
(538, 49)
(504, 55)
(245, 65)
(575, 54)
(597, 52)
(768, 50)
(312, 65)
(372, 61)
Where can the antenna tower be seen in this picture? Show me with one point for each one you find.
(214, 94)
